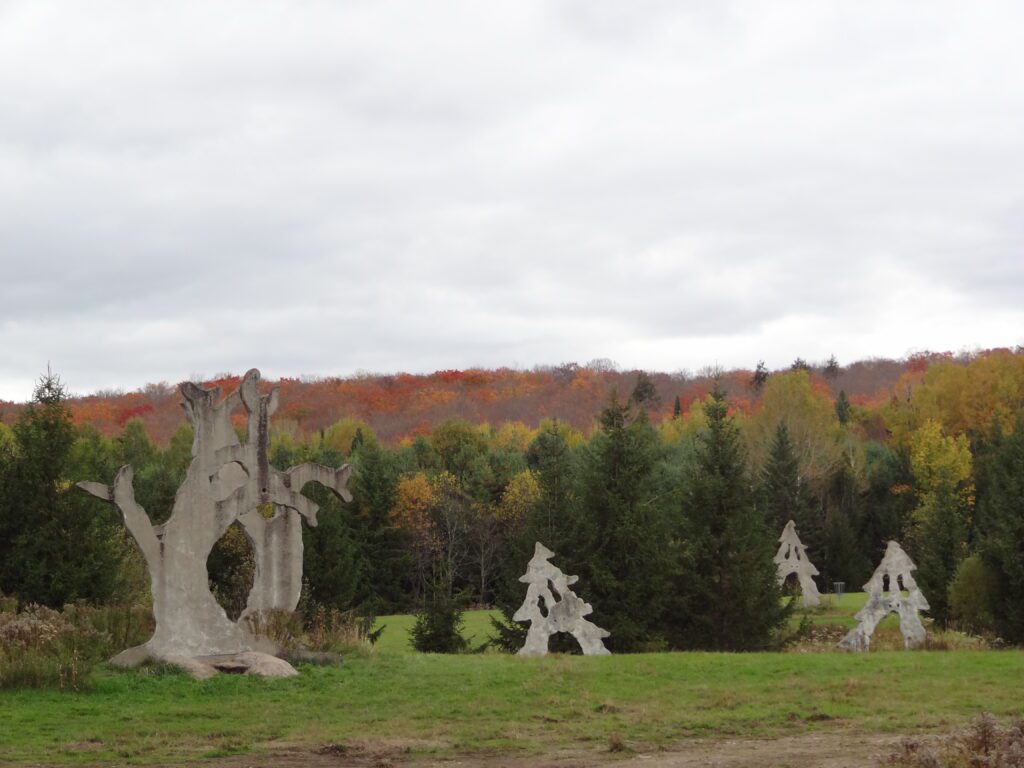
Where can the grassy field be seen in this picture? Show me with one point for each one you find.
(477, 628)
(491, 702)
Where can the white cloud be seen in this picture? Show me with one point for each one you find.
(330, 187)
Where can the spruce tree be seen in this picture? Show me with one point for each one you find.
(729, 598)
(56, 546)
(842, 408)
(1000, 514)
(374, 486)
(624, 530)
(784, 494)
(842, 557)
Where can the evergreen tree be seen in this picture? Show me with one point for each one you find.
(760, 376)
(831, 369)
(55, 546)
(784, 494)
(942, 468)
(624, 530)
(841, 556)
(334, 571)
(677, 408)
(374, 486)
(438, 625)
(645, 394)
(358, 439)
(888, 501)
(729, 598)
(842, 408)
(1000, 514)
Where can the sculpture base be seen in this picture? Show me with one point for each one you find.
(205, 667)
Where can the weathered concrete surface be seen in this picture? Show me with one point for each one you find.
(792, 558)
(226, 481)
(250, 663)
(194, 668)
(562, 610)
(892, 573)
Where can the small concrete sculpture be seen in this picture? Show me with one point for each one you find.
(226, 481)
(562, 610)
(792, 558)
(885, 596)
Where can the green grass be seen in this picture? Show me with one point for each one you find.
(494, 702)
(477, 628)
(395, 638)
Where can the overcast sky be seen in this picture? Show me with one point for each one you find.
(324, 188)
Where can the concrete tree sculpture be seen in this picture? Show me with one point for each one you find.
(885, 596)
(226, 481)
(792, 559)
(551, 606)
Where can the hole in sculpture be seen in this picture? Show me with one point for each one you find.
(551, 586)
(791, 586)
(542, 606)
(885, 584)
(899, 582)
(231, 568)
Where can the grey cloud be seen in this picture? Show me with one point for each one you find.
(196, 189)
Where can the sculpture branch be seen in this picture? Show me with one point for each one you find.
(122, 495)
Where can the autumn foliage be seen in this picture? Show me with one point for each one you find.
(403, 406)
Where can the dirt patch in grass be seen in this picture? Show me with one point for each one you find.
(812, 750)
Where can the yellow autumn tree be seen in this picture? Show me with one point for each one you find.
(519, 496)
(941, 465)
(340, 434)
(512, 435)
(809, 416)
(966, 399)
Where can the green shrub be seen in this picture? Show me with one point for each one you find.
(438, 627)
(971, 596)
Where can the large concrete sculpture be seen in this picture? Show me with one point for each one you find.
(885, 596)
(551, 606)
(792, 559)
(226, 481)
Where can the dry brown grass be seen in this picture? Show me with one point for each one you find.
(986, 744)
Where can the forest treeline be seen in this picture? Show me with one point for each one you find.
(404, 406)
(668, 507)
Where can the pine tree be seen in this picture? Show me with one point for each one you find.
(1000, 514)
(784, 495)
(760, 376)
(841, 556)
(644, 393)
(831, 369)
(374, 488)
(729, 598)
(942, 468)
(439, 623)
(55, 546)
(625, 530)
(677, 408)
(842, 408)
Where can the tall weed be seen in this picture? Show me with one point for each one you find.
(44, 648)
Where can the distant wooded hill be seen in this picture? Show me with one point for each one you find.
(399, 406)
